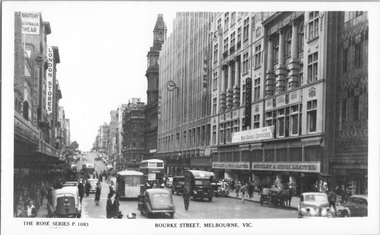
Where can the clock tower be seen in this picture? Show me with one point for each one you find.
(151, 109)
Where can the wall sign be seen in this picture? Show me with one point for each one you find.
(30, 22)
(311, 167)
(231, 165)
(252, 135)
(49, 80)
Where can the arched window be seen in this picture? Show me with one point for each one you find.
(275, 49)
(288, 47)
(301, 36)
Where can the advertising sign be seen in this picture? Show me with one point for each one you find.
(151, 176)
(252, 135)
(308, 167)
(30, 22)
(49, 80)
(231, 165)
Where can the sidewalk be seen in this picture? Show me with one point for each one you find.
(256, 198)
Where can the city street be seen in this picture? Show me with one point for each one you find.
(219, 208)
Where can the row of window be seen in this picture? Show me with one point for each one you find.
(311, 153)
(191, 138)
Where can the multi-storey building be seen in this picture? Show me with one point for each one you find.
(68, 133)
(111, 145)
(349, 162)
(133, 136)
(119, 132)
(151, 110)
(184, 106)
(36, 92)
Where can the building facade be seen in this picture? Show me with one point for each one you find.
(152, 75)
(184, 106)
(119, 132)
(133, 134)
(349, 163)
(111, 145)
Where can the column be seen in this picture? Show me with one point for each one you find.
(294, 61)
(269, 81)
(229, 87)
(281, 67)
(237, 82)
(223, 90)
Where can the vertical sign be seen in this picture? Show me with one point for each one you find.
(30, 22)
(49, 80)
(247, 113)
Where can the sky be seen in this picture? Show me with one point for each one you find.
(103, 48)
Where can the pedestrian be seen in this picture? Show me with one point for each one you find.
(332, 199)
(112, 187)
(81, 190)
(98, 192)
(250, 189)
(109, 207)
(20, 212)
(243, 190)
(186, 196)
(87, 186)
(31, 211)
(116, 205)
(237, 188)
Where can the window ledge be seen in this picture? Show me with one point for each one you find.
(313, 39)
(244, 73)
(257, 67)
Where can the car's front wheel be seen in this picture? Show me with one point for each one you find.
(345, 214)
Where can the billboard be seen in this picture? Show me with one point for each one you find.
(30, 22)
(49, 80)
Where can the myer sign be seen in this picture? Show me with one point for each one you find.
(49, 80)
(312, 167)
(252, 135)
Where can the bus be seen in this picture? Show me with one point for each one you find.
(88, 168)
(129, 184)
(153, 170)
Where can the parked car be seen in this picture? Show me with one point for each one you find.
(178, 184)
(313, 204)
(156, 201)
(356, 206)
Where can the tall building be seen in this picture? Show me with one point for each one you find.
(119, 132)
(133, 136)
(185, 94)
(349, 162)
(111, 146)
(152, 75)
(36, 95)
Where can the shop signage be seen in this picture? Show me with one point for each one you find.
(151, 176)
(153, 151)
(25, 129)
(231, 165)
(252, 135)
(49, 80)
(30, 22)
(310, 167)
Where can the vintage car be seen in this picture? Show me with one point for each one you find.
(93, 183)
(313, 204)
(178, 184)
(156, 201)
(356, 206)
(66, 202)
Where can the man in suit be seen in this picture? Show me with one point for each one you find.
(31, 210)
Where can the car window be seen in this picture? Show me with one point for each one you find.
(355, 200)
(315, 198)
(362, 202)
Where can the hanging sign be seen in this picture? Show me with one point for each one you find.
(49, 80)
(30, 22)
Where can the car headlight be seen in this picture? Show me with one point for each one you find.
(195, 192)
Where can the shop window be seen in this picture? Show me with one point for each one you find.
(312, 115)
(312, 67)
(295, 154)
(313, 153)
(313, 25)
(257, 155)
(269, 155)
(281, 155)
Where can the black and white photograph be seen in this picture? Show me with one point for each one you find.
(190, 117)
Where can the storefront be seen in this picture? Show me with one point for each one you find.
(351, 174)
(299, 175)
(237, 171)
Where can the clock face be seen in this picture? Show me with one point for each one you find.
(171, 85)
